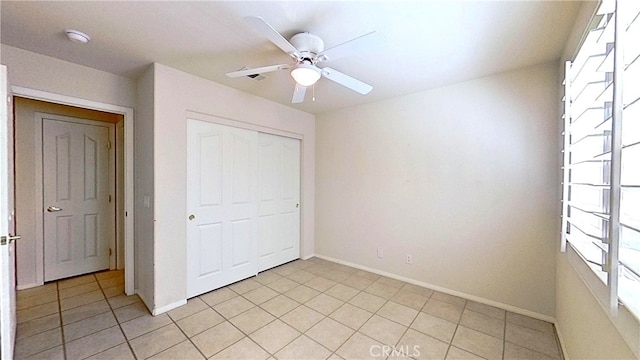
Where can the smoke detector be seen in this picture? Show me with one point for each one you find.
(77, 36)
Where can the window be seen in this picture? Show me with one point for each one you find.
(601, 170)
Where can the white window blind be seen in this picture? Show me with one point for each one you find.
(601, 170)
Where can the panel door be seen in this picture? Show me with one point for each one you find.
(7, 247)
(279, 200)
(78, 214)
(221, 205)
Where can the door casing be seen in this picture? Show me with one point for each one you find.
(128, 216)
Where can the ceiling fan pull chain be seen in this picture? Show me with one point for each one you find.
(313, 95)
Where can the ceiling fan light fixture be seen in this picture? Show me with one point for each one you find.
(305, 74)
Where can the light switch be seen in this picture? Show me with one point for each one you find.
(147, 201)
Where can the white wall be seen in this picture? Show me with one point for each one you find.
(40, 72)
(462, 177)
(176, 93)
(582, 324)
(34, 71)
(585, 329)
(144, 185)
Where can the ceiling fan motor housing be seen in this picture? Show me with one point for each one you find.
(308, 44)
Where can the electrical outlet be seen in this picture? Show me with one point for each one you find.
(409, 259)
(380, 253)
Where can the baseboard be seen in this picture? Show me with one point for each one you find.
(308, 257)
(511, 308)
(164, 309)
(27, 286)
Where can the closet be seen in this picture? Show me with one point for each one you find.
(243, 203)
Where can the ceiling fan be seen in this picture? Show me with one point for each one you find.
(308, 50)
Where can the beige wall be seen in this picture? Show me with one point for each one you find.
(463, 178)
(29, 249)
(41, 72)
(144, 184)
(585, 330)
(176, 93)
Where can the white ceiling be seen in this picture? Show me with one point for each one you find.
(428, 44)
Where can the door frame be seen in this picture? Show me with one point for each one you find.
(127, 113)
(40, 118)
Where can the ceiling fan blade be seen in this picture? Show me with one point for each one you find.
(263, 28)
(346, 81)
(260, 70)
(360, 44)
(298, 94)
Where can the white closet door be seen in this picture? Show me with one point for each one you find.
(279, 200)
(221, 205)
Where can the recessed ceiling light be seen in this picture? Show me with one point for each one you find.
(77, 36)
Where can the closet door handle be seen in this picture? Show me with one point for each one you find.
(53, 209)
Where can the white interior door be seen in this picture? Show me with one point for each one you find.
(7, 246)
(279, 200)
(221, 205)
(78, 201)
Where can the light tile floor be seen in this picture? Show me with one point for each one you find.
(310, 309)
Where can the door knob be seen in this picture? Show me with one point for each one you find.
(191, 217)
(53, 209)
(4, 240)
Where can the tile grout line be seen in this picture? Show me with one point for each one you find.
(117, 322)
(373, 313)
(272, 321)
(59, 313)
(504, 335)
(347, 302)
(414, 320)
(183, 333)
(39, 317)
(334, 352)
(278, 318)
(232, 324)
(317, 273)
(456, 330)
(408, 326)
(302, 333)
(64, 343)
